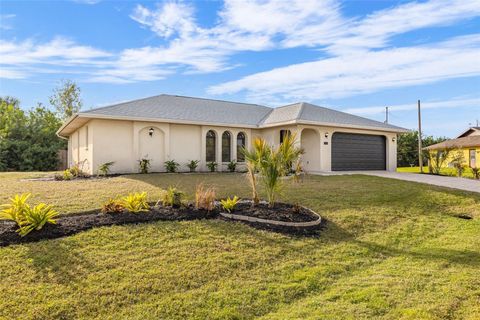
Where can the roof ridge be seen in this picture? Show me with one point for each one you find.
(220, 100)
(300, 112)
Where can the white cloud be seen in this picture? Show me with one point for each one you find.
(6, 21)
(21, 59)
(362, 72)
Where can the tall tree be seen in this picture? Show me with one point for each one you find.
(66, 99)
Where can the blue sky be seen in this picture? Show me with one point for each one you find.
(354, 56)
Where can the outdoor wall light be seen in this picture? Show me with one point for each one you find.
(326, 135)
(393, 139)
(150, 132)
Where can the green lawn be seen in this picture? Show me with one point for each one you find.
(468, 173)
(390, 249)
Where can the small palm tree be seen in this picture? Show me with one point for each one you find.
(272, 165)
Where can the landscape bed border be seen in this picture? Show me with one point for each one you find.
(73, 223)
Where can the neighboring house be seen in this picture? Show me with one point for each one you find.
(168, 127)
(468, 144)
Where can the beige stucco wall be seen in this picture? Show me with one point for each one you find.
(125, 142)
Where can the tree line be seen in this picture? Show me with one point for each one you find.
(407, 148)
(28, 140)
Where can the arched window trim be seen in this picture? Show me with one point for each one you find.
(211, 146)
(226, 149)
(241, 143)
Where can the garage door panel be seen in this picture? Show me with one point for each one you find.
(358, 152)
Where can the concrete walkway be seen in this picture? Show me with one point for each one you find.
(449, 182)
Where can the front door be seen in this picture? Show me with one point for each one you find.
(472, 158)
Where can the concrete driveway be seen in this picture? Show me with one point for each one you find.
(449, 182)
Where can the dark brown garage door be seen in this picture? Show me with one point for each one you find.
(358, 152)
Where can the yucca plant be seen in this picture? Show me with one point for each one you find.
(35, 218)
(171, 166)
(135, 202)
(15, 210)
(204, 197)
(104, 169)
(192, 165)
(229, 204)
(172, 197)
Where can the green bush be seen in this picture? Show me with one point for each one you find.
(212, 166)
(16, 209)
(135, 202)
(112, 206)
(67, 175)
(35, 218)
(232, 165)
(192, 165)
(144, 165)
(229, 204)
(104, 169)
(172, 197)
(26, 217)
(171, 166)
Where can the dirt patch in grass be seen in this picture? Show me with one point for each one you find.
(81, 221)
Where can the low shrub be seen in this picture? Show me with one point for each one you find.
(229, 204)
(144, 165)
(112, 206)
(171, 166)
(212, 166)
(192, 165)
(15, 210)
(135, 202)
(67, 175)
(172, 197)
(476, 173)
(26, 217)
(35, 218)
(232, 165)
(104, 169)
(204, 197)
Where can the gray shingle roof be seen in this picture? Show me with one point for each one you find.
(311, 113)
(187, 109)
(180, 108)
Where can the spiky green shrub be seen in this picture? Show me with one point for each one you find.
(15, 210)
(67, 175)
(35, 218)
(229, 204)
(232, 165)
(135, 202)
(192, 165)
(172, 197)
(112, 206)
(26, 217)
(144, 165)
(104, 169)
(171, 166)
(212, 166)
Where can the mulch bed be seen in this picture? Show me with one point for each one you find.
(77, 222)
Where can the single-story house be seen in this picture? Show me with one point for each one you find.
(170, 127)
(467, 143)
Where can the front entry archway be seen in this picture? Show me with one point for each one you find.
(151, 145)
(310, 143)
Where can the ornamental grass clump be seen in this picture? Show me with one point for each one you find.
(135, 202)
(112, 206)
(205, 197)
(27, 218)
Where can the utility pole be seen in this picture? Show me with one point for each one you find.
(386, 114)
(420, 158)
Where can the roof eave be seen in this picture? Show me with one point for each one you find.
(329, 124)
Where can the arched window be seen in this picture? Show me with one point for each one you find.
(226, 147)
(240, 145)
(283, 134)
(211, 146)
